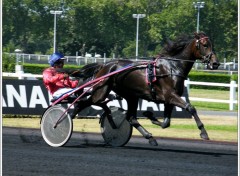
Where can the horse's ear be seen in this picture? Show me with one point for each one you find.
(200, 34)
(196, 35)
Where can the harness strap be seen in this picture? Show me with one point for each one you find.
(151, 77)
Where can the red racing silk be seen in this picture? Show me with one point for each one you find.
(54, 80)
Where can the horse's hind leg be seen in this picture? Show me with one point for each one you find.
(80, 106)
(131, 117)
(143, 131)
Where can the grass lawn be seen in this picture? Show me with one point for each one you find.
(211, 94)
(218, 128)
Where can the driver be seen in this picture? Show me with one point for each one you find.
(55, 82)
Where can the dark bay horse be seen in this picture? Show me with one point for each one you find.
(160, 80)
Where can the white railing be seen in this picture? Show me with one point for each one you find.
(232, 92)
(22, 75)
(228, 66)
(232, 100)
(79, 60)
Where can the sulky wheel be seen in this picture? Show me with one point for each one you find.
(120, 136)
(59, 135)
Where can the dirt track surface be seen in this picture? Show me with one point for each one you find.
(25, 153)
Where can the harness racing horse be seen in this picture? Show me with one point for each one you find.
(160, 80)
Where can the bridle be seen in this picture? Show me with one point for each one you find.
(205, 58)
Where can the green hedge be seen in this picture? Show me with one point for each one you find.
(8, 63)
(38, 68)
(211, 77)
(234, 77)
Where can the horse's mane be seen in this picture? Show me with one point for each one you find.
(172, 48)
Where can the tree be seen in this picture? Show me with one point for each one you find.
(107, 26)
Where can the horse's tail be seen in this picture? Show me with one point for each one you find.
(89, 70)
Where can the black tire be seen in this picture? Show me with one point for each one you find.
(56, 137)
(120, 136)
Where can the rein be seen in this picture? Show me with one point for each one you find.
(174, 59)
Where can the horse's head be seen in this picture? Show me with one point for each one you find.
(203, 51)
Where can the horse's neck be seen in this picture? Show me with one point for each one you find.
(187, 59)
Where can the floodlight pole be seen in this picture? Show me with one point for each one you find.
(55, 13)
(198, 5)
(137, 16)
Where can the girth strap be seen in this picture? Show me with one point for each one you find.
(151, 77)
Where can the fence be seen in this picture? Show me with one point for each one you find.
(89, 58)
(232, 91)
(230, 67)
(43, 59)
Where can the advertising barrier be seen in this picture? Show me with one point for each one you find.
(30, 97)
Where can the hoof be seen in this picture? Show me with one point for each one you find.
(153, 141)
(204, 136)
(166, 123)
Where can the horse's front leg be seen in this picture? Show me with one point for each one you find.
(200, 125)
(167, 115)
(178, 101)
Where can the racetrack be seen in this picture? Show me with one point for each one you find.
(25, 153)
